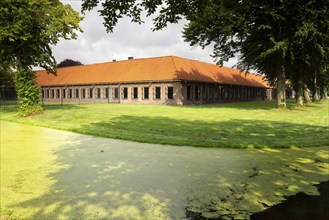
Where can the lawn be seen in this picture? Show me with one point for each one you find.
(239, 125)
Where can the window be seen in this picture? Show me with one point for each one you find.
(170, 94)
(98, 93)
(64, 93)
(204, 93)
(125, 93)
(216, 93)
(211, 92)
(226, 91)
(47, 93)
(146, 92)
(196, 92)
(77, 93)
(52, 93)
(188, 94)
(116, 93)
(83, 93)
(135, 93)
(90, 93)
(107, 93)
(70, 93)
(222, 92)
(58, 94)
(43, 93)
(157, 92)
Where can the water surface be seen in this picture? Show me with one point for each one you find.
(51, 174)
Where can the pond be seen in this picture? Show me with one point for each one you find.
(51, 174)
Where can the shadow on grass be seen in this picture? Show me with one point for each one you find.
(231, 133)
(108, 179)
(12, 106)
(256, 105)
(8, 106)
(253, 105)
(58, 106)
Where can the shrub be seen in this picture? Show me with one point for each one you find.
(29, 96)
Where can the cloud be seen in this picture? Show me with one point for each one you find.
(95, 45)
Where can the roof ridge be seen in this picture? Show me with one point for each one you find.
(91, 64)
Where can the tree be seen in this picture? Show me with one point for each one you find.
(28, 28)
(69, 62)
(6, 75)
(265, 33)
(281, 39)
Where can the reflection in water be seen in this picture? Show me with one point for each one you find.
(49, 174)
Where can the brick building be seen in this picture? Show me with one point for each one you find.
(161, 80)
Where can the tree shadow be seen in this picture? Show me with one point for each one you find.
(11, 107)
(57, 106)
(245, 105)
(8, 106)
(256, 105)
(235, 77)
(296, 207)
(99, 178)
(300, 206)
(239, 133)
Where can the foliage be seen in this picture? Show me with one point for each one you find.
(6, 76)
(278, 38)
(28, 93)
(170, 10)
(28, 28)
(240, 125)
(273, 37)
(69, 62)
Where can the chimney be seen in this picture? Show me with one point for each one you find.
(130, 58)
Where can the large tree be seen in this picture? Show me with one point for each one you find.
(266, 33)
(28, 29)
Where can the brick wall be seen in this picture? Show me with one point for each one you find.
(158, 93)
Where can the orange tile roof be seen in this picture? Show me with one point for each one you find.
(166, 68)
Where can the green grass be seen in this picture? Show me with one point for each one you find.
(241, 125)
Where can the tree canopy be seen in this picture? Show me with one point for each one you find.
(28, 28)
(69, 62)
(273, 37)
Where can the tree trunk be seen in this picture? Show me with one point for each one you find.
(324, 94)
(281, 88)
(299, 90)
(19, 61)
(281, 91)
(316, 96)
(307, 98)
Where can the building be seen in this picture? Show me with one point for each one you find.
(161, 80)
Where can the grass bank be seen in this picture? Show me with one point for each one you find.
(240, 125)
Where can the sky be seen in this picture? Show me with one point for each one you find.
(128, 39)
